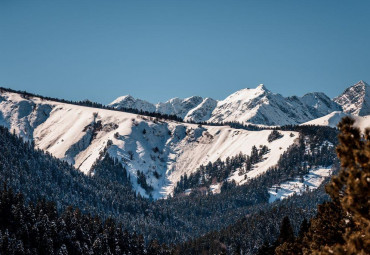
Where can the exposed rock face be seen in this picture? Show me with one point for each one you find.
(356, 99)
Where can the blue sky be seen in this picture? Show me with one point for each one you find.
(157, 49)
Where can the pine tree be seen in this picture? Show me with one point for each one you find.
(351, 188)
(286, 231)
(303, 228)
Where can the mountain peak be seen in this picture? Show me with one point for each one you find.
(129, 101)
(261, 87)
(355, 100)
(122, 98)
(361, 83)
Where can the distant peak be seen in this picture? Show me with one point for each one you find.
(355, 99)
(316, 94)
(127, 96)
(359, 87)
(193, 98)
(122, 99)
(261, 86)
(175, 99)
(361, 83)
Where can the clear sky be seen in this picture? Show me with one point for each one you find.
(156, 50)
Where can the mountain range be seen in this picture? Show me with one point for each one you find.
(258, 106)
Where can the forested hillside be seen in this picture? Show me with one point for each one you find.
(256, 229)
(107, 192)
(38, 228)
(341, 225)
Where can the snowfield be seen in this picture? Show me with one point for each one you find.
(163, 148)
(334, 118)
(362, 122)
(277, 147)
(331, 120)
(311, 181)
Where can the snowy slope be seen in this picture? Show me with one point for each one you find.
(221, 142)
(334, 118)
(271, 158)
(331, 120)
(179, 107)
(355, 100)
(319, 104)
(310, 181)
(203, 111)
(362, 122)
(79, 134)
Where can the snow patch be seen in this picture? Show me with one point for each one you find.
(310, 181)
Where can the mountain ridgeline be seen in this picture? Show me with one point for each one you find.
(258, 106)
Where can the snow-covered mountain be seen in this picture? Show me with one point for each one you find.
(128, 102)
(203, 111)
(355, 100)
(193, 108)
(261, 106)
(255, 106)
(162, 149)
(179, 107)
(319, 104)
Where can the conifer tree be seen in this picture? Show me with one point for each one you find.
(351, 188)
(303, 228)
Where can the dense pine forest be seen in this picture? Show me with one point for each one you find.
(38, 228)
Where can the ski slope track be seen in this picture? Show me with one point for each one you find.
(79, 134)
